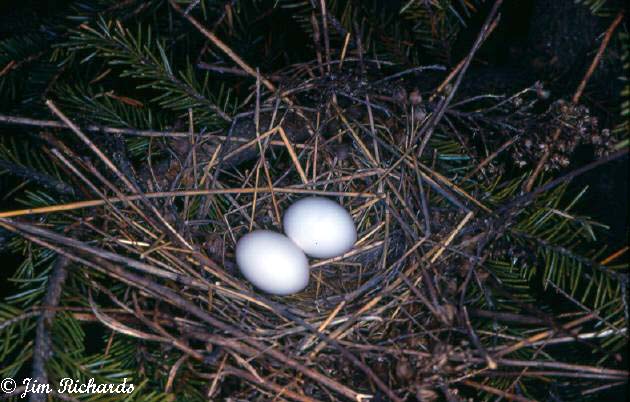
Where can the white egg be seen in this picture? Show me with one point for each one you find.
(272, 262)
(320, 227)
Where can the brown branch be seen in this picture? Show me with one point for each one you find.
(231, 70)
(492, 364)
(25, 121)
(164, 194)
(490, 158)
(326, 38)
(221, 45)
(43, 348)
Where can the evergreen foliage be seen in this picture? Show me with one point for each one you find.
(141, 66)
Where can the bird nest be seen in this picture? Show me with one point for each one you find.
(385, 320)
(168, 230)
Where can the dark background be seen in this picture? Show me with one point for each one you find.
(548, 40)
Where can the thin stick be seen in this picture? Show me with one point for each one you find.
(614, 255)
(293, 155)
(490, 158)
(43, 347)
(325, 324)
(209, 136)
(326, 38)
(344, 50)
(247, 190)
(456, 70)
(451, 237)
(316, 40)
(25, 121)
(600, 52)
(540, 336)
